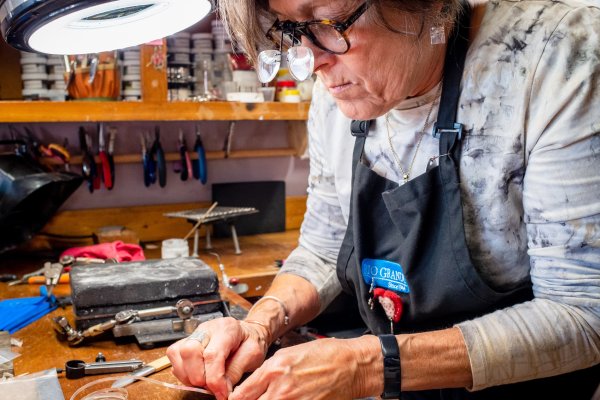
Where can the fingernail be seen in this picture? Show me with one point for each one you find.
(229, 385)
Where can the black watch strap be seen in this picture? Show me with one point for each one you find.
(391, 367)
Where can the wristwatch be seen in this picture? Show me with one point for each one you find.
(392, 372)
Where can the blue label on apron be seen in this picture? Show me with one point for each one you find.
(384, 274)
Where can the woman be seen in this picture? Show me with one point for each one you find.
(474, 253)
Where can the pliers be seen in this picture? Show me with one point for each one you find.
(158, 154)
(106, 172)
(88, 164)
(186, 162)
(200, 172)
(112, 132)
(148, 163)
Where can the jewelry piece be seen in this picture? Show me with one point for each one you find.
(255, 322)
(286, 318)
(200, 336)
(432, 161)
(391, 303)
(371, 288)
(437, 34)
(406, 173)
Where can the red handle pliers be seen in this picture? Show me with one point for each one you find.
(104, 161)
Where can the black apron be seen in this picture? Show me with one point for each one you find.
(419, 225)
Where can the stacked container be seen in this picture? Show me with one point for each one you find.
(43, 77)
(222, 48)
(131, 74)
(202, 49)
(179, 67)
(34, 76)
(57, 87)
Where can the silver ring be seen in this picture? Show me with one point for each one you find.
(200, 336)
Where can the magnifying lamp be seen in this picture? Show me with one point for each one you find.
(93, 26)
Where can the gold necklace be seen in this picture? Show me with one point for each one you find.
(406, 173)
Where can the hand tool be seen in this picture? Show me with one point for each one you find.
(161, 162)
(147, 162)
(40, 280)
(55, 150)
(185, 158)
(37, 276)
(24, 278)
(76, 369)
(148, 369)
(112, 132)
(199, 148)
(105, 166)
(8, 277)
(98, 177)
(69, 69)
(93, 68)
(229, 139)
(53, 272)
(88, 164)
(151, 160)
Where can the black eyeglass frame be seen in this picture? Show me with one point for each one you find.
(298, 29)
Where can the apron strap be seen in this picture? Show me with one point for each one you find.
(453, 69)
(360, 130)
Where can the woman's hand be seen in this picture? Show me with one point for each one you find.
(321, 369)
(217, 354)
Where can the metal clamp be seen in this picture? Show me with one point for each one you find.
(456, 128)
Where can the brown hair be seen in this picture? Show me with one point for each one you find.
(247, 20)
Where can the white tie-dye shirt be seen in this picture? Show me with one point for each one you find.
(530, 172)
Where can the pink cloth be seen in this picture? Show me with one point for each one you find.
(118, 250)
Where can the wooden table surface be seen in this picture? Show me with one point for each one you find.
(43, 350)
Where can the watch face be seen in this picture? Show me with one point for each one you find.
(93, 26)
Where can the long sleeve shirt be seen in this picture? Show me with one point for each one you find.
(530, 184)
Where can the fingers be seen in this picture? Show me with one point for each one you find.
(214, 358)
(192, 356)
(247, 358)
(253, 387)
(216, 355)
(177, 363)
(179, 353)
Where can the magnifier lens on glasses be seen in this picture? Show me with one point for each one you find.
(268, 65)
(301, 62)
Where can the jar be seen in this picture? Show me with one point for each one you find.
(174, 248)
(280, 86)
(290, 96)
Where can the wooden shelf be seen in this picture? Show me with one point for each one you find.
(89, 111)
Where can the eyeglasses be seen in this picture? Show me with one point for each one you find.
(326, 34)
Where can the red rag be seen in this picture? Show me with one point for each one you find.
(121, 252)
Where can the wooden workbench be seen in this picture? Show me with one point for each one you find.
(43, 350)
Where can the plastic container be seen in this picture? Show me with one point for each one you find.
(290, 96)
(268, 93)
(174, 248)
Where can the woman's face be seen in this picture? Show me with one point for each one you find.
(381, 68)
